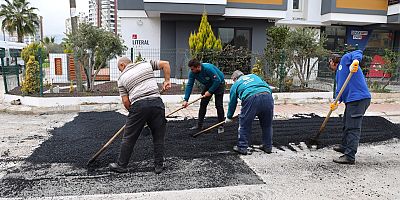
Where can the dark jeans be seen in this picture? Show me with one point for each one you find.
(352, 121)
(152, 112)
(261, 105)
(219, 97)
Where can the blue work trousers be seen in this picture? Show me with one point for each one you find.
(261, 105)
(352, 121)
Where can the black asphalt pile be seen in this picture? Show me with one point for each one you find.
(201, 162)
(58, 166)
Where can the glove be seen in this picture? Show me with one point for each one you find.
(334, 106)
(354, 66)
(227, 120)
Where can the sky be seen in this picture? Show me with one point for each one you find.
(55, 12)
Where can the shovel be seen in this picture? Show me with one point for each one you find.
(209, 128)
(314, 141)
(122, 128)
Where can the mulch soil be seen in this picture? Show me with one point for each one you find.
(111, 89)
(202, 162)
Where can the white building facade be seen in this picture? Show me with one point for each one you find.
(165, 25)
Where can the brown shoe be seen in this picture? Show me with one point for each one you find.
(344, 160)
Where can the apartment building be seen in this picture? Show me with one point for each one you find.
(103, 13)
(167, 24)
(81, 18)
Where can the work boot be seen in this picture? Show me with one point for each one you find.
(339, 149)
(117, 168)
(344, 160)
(221, 129)
(158, 169)
(241, 151)
(266, 149)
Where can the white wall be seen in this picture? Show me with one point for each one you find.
(133, 22)
(221, 2)
(394, 9)
(309, 14)
(50, 74)
(114, 72)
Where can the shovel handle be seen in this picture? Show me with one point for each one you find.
(106, 145)
(184, 107)
(321, 129)
(209, 128)
(123, 127)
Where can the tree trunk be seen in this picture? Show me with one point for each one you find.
(387, 83)
(20, 38)
(298, 70)
(74, 24)
(97, 71)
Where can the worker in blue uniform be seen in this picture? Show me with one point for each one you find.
(356, 98)
(257, 100)
(214, 84)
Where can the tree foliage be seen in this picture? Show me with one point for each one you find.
(33, 50)
(277, 38)
(19, 17)
(204, 41)
(67, 45)
(95, 47)
(390, 66)
(276, 57)
(258, 69)
(48, 40)
(31, 83)
(305, 48)
(231, 59)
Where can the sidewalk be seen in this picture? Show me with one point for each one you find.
(285, 111)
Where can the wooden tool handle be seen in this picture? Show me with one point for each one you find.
(122, 128)
(211, 127)
(184, 107)
(106, 145)
(321, 129)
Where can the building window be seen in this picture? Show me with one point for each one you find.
(238, 37)
(296, 5)
(336, 36)
(380, 39)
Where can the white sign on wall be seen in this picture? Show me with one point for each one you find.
(359, 35)
(139, 42)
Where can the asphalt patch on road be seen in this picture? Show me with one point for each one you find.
(58, 166)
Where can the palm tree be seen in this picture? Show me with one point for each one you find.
(18, 16)
(48, 40)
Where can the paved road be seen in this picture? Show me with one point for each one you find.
(302, 174)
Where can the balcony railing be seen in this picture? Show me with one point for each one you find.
(392, 2)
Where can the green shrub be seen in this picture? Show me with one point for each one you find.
(31, 84)
(204, 41)
(32, 50)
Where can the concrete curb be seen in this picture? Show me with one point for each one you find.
(39, 105)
